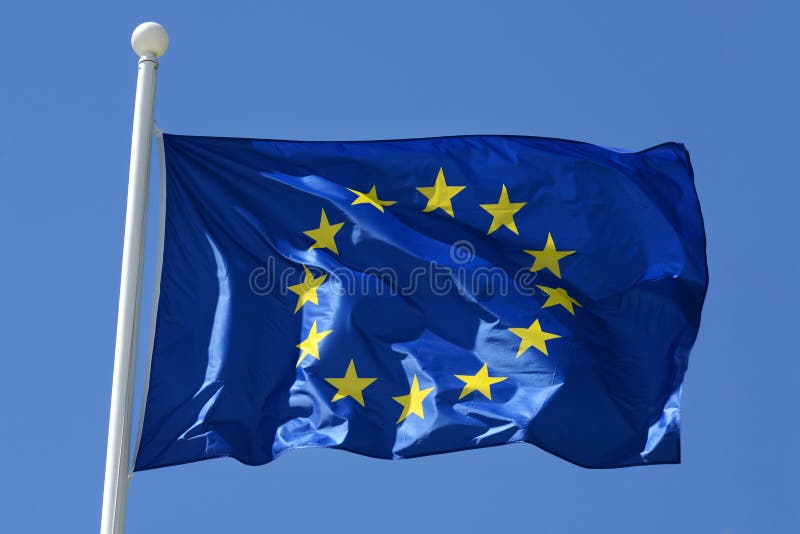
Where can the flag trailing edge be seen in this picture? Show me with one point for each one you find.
(412, 297)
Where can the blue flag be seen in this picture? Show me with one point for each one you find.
(405, 298)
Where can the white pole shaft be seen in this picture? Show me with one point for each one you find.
(115, 488)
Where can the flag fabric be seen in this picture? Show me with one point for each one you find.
(414, 297)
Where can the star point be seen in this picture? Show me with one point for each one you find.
(503, 212)
(480, 381)
(559, 297)
(310, 345)
(440, 195)
(533, 336)
(306, 290)
(412, 403)
(350, 385)
(324, 235)
(370, 198)
(548, 257)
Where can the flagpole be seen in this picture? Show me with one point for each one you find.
(149, 41)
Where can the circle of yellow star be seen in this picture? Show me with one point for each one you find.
(503, 212)
(533, 336)
(350, 385)
(440, 194)
(480, 381)
(412, 403)
(559, 297)
(548, 257)
(324, 235)
(370, 198)
(306, 290)
(310, 345)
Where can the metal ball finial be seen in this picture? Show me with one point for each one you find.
(150, 38)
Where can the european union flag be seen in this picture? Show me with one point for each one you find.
(405, 298)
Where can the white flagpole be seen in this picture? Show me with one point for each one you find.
(149, 41)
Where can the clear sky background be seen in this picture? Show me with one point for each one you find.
(722, 77)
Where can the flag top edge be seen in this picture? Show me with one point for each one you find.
(681, 147)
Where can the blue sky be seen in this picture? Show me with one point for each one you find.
(720, 77)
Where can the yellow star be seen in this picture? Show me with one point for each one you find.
(503, 212)
(533, 336)
(370, 198)
(480, 381)
(440, 194)
(548, 257)
(310, 345)
(350, 385)
(307, 289)
(412, 403)
(324, 235)
(557, 296)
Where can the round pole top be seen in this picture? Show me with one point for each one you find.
(150, 38)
